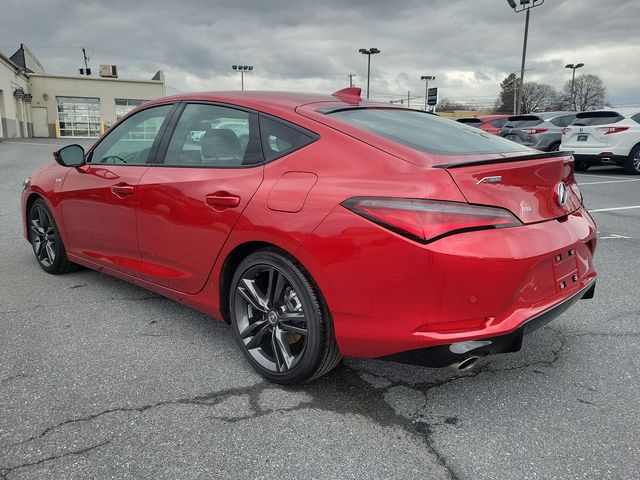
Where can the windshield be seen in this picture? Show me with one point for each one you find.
(425, 132)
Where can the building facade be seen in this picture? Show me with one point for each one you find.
(34, 103)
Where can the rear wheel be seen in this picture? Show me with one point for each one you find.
(581, 167)
(554, 147)
(46, 241)
(632, 165)
(280, 319)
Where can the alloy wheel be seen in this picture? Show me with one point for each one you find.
(271, 318)
(42, 235)
(636, 161)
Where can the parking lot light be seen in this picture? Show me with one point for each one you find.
(242, 69)
(573, 79)
(523, 5)
(368, 53)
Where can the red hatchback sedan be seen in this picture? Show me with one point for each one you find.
(489, 123)
(323, 225)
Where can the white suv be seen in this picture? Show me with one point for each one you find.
(605, 137)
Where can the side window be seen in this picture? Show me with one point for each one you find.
(130, 142)
(563, 121)
(214, 136)
(636, 118)
(499, 122)
(280, 138)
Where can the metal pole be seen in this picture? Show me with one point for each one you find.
(524, 55)
(408, 98)
(426, 93)
(573, 92)
(368, 72)
(242, 80)
(515, 89)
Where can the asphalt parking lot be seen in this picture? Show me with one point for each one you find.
(102, 379)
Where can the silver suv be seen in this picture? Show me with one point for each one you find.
(542, 131)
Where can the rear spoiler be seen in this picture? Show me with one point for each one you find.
(521, 158)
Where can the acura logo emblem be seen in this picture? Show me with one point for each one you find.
(562, 194)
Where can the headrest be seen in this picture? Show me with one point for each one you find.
(220, 142)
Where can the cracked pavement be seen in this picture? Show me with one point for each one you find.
(101, 379)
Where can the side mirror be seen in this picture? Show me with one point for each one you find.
(70, 156)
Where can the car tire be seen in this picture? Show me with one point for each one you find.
(46, 241)
(554, 147)
(580, 167)
(280, 320)
(632, 164)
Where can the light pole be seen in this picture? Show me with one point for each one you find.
(368, 53)
(242, 69)
(426, 78)
(573, 79)
(523, 5)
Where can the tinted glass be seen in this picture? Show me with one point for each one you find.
(129, 143)
(499, 122)
(426, 132)
(213, 136)
(587, 119)
(523, 121)
(280, 138)
(563, 121)
(474, 122)
(636, 118)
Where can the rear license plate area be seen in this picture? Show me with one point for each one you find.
(583, 138)
(565, 269)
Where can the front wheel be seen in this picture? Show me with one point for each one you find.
(46, 241)
(632, 165)
(280, 320)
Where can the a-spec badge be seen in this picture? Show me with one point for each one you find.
(562, 194)
(494, 179)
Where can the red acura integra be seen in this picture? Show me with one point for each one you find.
(323, 225)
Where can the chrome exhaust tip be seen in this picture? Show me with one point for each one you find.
(466, 364)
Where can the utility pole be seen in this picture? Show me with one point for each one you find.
(426, 88)
(573, 79)
(86, 70)
(515, 88)
(351, 75)
(408, 99)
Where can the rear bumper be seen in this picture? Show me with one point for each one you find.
(445, 355)
(599, 159)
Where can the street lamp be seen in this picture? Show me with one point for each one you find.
(426, 88)
(242, 69)
(523, 5)
(573, 79)
(368, 53)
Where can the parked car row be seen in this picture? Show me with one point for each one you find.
(602, 137)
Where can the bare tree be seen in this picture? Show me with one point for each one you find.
(588, 93)
(538, 97)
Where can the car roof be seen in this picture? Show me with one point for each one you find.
(625, 111)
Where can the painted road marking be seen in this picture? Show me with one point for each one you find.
(612, 236)
(600, 176)
(611, 181)
(38, 144)
(596, 210)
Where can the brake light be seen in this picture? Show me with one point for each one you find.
(534, 131)
(610, 130)
(427, 220)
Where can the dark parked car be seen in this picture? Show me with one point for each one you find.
(542, 131)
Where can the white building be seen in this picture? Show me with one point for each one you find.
(34, 103)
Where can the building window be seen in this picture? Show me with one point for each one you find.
(78, 116)
(125, 105)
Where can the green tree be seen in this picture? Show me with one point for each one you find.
(507, 92)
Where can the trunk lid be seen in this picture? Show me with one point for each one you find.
(529, 187)
(587, 130)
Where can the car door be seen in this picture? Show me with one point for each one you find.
(98, 200)
(206, 172)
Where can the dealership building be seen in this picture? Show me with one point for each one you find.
(34, 103)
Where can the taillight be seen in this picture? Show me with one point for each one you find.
(427, 220)
(565, 131)
(534, 131)
(610, 130)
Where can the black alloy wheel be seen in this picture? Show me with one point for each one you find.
(632, 165)
(45, 240)
(280, 320)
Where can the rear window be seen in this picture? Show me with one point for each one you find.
(474, 122)
(523, 121)
(563, 121)
(499, 122)
(425, 132)
(587, 119)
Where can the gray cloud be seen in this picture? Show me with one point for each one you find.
(470, 45)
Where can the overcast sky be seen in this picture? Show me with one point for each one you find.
(301, 45)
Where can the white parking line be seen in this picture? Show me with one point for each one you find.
(613, 209)
(38, 144)
(611, 181)
(587, 175)
(613, 236)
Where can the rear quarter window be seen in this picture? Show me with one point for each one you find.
(499, 122)
(425, 132)
(636, 118)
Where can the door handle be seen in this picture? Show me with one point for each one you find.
(222, 200)
(122, 190)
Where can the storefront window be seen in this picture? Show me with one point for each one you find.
(125, 105)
